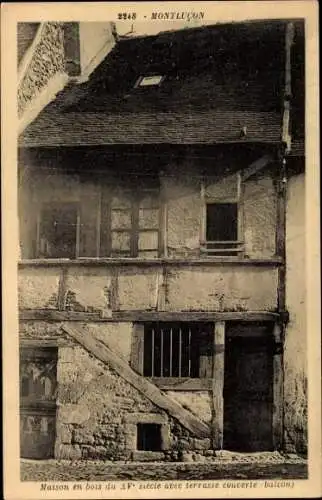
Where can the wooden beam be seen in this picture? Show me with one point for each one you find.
(102, 352)
(62, 289)
(278, 392)
(256, 166)
(143, 316)
(137, 348)
(163, 223)
(203, 213)
(289, 37)
(128, 261)
(45, 342)
(218, 384)
(182, 383)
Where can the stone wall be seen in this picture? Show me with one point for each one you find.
(97, 410)
(295, 357)
(48, 59)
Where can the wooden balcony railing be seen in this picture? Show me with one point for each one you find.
(228, 248)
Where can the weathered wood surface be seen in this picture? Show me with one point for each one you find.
(143, 316)
(278, 384)
(102, 352)
(218, 384)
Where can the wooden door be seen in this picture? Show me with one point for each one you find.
(248, 393)
(38, 368)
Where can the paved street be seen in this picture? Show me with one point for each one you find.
(51, 470)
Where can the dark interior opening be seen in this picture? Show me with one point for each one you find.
(248, 388)
(221, 221)
(149, 437)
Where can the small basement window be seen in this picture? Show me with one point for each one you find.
(149, 81)
(149, 437)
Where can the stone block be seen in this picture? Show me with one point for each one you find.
(74, 414)
(147, 456)
(68, 452)
(64, 435)
(66, 354)
(201, 444)
(187, 457)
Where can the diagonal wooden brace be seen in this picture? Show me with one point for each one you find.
(102, 352)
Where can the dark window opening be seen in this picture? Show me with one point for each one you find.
(58, 231)
(149, 437)
(222, 229)
(173, 350)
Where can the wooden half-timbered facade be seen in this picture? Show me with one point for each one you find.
(152, 279)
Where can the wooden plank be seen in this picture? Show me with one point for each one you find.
(278, 392)
(194, 316)
(182, 383)
(137, 348)
(45, 342)
(286, 135)
(102, 352)
(62, 289)
(281, 235)
(203, 213)
(163, 222)
(105, 231)
(115, 303)
(98, 221)
(143, 316)
(56, 315)
(218, 384)
(153, 262)
(135, 227)
(256, 166)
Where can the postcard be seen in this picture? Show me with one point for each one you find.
(161, 250)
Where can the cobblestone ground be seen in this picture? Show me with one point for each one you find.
(245, 467)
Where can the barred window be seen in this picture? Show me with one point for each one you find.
(175, 349)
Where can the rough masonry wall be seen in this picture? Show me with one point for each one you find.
(295, 354)
(95, 404)
(48, 60)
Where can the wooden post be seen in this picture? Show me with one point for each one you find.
(218, 384)
(203, 213)
(163, 221)
(278, 387)
(137, 348)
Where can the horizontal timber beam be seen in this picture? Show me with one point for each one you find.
(142, 316)
(103, 262)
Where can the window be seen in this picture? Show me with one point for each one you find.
(149, 81)
(135, 224)
(149, 437)
(177, 350)
(116, 223)
(58, 228)
(222, 229)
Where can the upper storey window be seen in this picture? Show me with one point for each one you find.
(122, 223)
(58, 230)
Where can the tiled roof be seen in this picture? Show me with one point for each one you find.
(71, 129)
(218, 79)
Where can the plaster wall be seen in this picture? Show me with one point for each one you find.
(295, 352)
(160, 288)
(184, 209)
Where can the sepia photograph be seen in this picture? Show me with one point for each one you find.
(161, 275)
